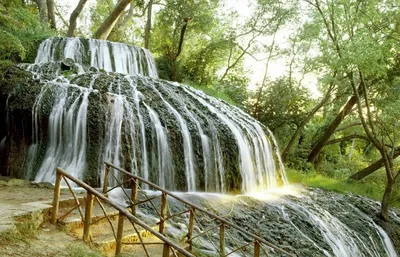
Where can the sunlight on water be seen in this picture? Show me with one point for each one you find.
(275, 193)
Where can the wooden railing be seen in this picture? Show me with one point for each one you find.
(169, 247)
(257, 245)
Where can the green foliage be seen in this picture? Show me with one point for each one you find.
(373, 187)
(22, 31)
(209, 90)
(200, 19)
(99, 12)
(235, 86)
(282, 106)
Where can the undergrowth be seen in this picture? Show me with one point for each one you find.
(214, 93)
(24, 231)
(372, 187)
(82, 251)
(22, 31)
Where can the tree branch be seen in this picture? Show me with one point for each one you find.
(348, 126)
(346, 138)
(74, 16)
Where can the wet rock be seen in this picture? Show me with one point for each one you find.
(18, 183)
(47, 185)
(67, 64)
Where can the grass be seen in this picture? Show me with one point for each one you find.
(372, 187)
(24, 231)
(82, 251)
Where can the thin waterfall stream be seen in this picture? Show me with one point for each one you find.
(86, 101)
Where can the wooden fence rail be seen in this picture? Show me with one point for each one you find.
(169, 246)
(256, 242)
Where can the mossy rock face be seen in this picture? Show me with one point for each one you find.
(39, 97)
(17, 95)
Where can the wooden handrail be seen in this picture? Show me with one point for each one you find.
(216, 217)
(92, 192)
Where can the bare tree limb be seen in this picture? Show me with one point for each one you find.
(74, 16)
(348, 126)
(346, 138)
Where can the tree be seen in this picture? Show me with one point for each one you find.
(106, 27)
(284, 106)
(21, 31)
(124, 30)
(267, 19)
(46, 12)
(50, 12)
(74, 16)
(178, 23)
(148, 24)
(359, 40)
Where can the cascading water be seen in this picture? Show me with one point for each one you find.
(111, 57)
(161, 160)
(168, 133)
(304, 222)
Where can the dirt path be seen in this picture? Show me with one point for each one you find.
(24, 230)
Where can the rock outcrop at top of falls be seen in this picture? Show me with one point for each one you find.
(87, 101)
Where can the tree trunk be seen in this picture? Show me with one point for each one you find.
(74, 17)
(51, 15)
(182, 37)
(118, 32)
(148, 25)
(42, 5)
(372, 168)
(104, 31)
(386, 198)
(174, 56)
(304, 122)
(347, 109)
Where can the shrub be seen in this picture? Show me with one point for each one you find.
(21, 32)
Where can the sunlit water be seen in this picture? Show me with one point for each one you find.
(307, 217)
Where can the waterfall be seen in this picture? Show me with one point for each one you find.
(2, 143)
(108, 56)
(103, 102)
(163, 157)
(334, 224)
(114, 133)
(187, 144)
(67, 132)
(304, 222)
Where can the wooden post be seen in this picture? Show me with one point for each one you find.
(105, 182)
(134, 195)
(191, 225)
(88, 217)
(56, 198)
(120, 231)
(166, 250)
(163, 213)
(257, 249)
(222, 240)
